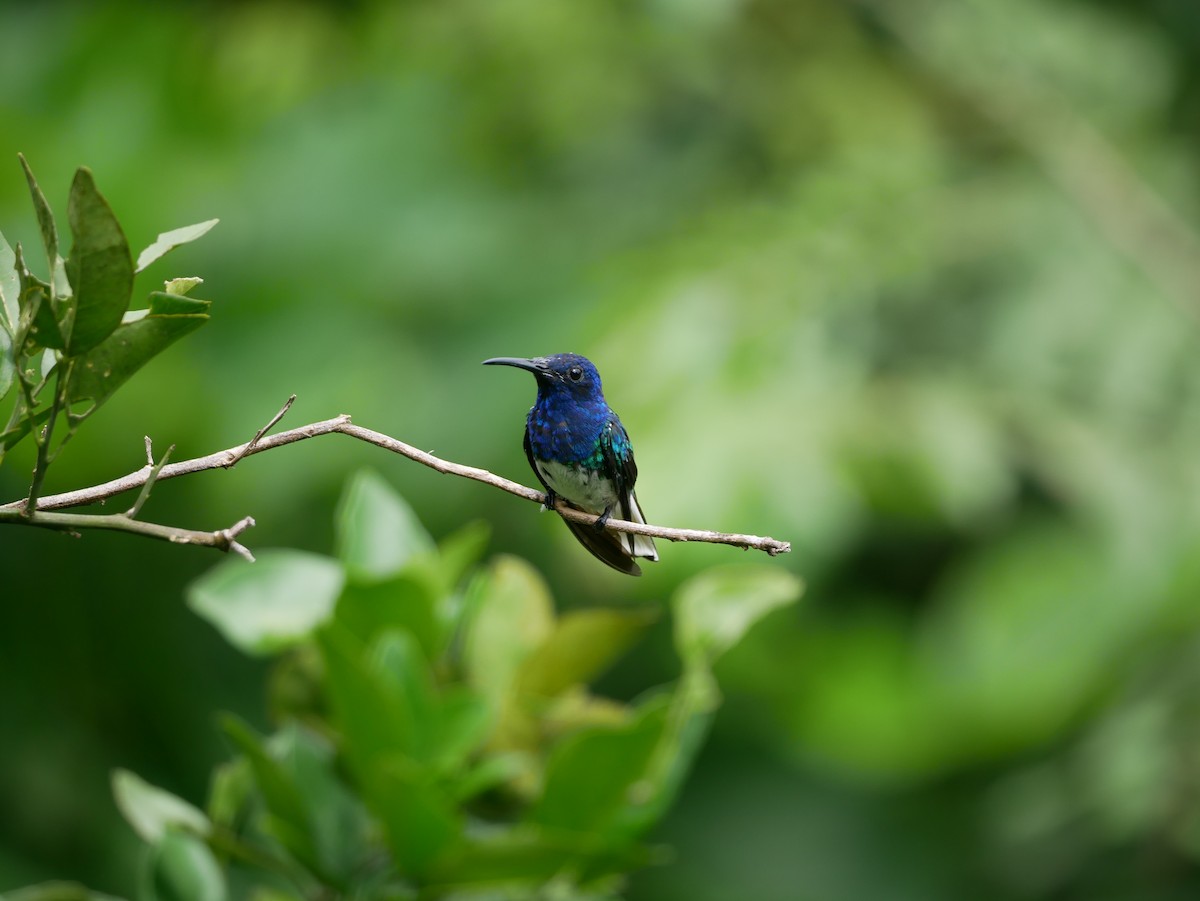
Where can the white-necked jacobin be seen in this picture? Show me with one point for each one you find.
(581, 454)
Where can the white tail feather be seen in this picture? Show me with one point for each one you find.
(640, 545)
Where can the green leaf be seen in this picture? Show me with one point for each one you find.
(45, 217)
(10, 288)
(407, 601)
(22, 429)
(229, 792)
(8, 366)
(419, 819)
(397, 732)
(531, 856)
(151, 811)
(100, 268)
(377, 532)
(464, 720)
(311, 812)
(716, 608)
(57, 891)
(582, 645)
(461, 550)
(592, 775)
(182, 868)
(269, 605)
(512, 616)
(168, 241)
(102, 370)
(382, 700)
(284, 800)
(34, 300)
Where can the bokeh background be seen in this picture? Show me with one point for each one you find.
(914, 285)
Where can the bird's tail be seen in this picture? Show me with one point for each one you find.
(617, 549)
(639, 545)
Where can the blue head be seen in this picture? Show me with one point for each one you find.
(570, 413)
(562, 379)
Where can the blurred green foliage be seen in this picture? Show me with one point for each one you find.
(912, 285)
(436, 737)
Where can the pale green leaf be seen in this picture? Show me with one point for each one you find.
(271, 604)
(377, 531)
(151, 811)
(168, 241)
(182, 868)
(716, 608)
(512, 616)
(182, 285)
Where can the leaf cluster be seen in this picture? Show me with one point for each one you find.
(68, 341)
(436, 735)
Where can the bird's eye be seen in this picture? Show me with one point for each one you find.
(575, 373)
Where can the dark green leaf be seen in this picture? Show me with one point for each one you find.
(45, 217)
(100, 268)
(103, 369)
(22, 428)
(311, 812)
(419, 819)
(594, 777)
(716, 608)
(182, 868)
(151, 811)
(373, 719)
(168, 241)
(37, 308)
(288, 817)
(271, 604)
(582, 645)
(377, 531)
(394, 737)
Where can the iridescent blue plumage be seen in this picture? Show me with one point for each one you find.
(582, 454)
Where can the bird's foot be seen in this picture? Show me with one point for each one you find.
(551, 500)
(600, 523)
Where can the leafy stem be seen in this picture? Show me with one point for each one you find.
(44, 437)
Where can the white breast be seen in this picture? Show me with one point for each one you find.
(585, 488)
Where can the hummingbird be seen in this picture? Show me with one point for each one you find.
(581, 454)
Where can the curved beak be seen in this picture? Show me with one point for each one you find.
(536, 365)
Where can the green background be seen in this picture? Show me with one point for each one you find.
(912, 285)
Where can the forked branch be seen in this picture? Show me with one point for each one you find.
(261, 442)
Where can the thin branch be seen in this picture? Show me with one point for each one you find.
(343, 426)
(74, 523)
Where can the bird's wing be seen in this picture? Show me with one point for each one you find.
(532, 462)
(620, 467)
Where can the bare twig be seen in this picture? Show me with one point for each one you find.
(253, 442)
(342, 425)
(150, 480)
